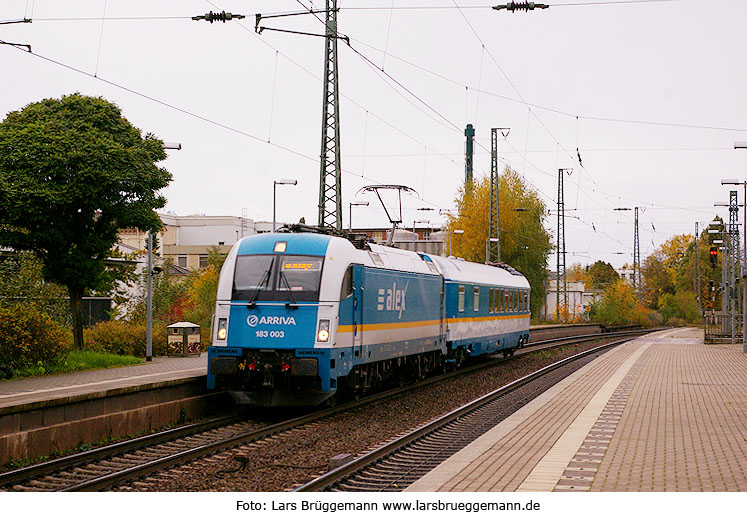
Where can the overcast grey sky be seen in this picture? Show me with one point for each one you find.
(247, 108)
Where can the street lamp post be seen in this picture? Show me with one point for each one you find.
(424, 221)
(149, 282)
(350, 213)
(274, 186)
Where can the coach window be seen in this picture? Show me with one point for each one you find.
(461, 299)
(476, 304)
(491, 309)
(347, 284)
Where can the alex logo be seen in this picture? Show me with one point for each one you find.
(254, 320)
(392, 299)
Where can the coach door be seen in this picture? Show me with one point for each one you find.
(358, 289)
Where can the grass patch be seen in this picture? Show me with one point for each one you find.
(79, 361)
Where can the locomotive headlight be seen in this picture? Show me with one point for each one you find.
(222, 328)
(323, 331)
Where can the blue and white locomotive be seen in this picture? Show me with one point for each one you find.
(301, 317)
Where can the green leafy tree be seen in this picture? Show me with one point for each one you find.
(21, 282)
(73, 171)
(601, 274)
(525, 244)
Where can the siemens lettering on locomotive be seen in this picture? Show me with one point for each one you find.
(303, 317)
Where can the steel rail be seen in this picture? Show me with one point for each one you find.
(101, 482)
(107, 451)
(335, 475)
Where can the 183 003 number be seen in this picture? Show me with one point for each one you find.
(270, 334)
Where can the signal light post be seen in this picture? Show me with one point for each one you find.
(742, 145)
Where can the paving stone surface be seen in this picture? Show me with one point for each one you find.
(662, 413)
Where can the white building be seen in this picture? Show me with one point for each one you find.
(579, 300)
(187, 239)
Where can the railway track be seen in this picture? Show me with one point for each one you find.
(105, 467)
(399, 463)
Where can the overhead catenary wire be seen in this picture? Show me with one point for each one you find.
(425, 146)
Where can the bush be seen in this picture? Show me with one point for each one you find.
(124, 338)
(619, 306)
(29, 338)
(682, 305)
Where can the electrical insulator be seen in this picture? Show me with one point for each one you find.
(520, 6)
(218, 17)
(714, 256)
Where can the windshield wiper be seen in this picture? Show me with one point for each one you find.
(292, 304)
(262, 282)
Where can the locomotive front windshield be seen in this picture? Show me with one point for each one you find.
(277, 277)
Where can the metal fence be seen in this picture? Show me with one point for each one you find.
(720, 330)
(95, 309)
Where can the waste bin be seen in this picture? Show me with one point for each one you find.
(183, 339)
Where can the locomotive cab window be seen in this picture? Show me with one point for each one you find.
(277, 277)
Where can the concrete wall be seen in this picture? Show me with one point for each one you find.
(56, 426)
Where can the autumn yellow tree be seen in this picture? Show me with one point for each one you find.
(577, 273)
(618, 306)
(524, 242)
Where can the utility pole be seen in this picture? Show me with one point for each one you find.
(469, 132)
(696, 275)
(561, 285)
(149, 300)
(637, 260)
(330, 174)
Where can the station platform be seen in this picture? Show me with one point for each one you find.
(664, 412)
(47, 390)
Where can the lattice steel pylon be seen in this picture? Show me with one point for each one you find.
(733, 261)
(494, 232)
(637, 260)
(330, 199)
(561, 285)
